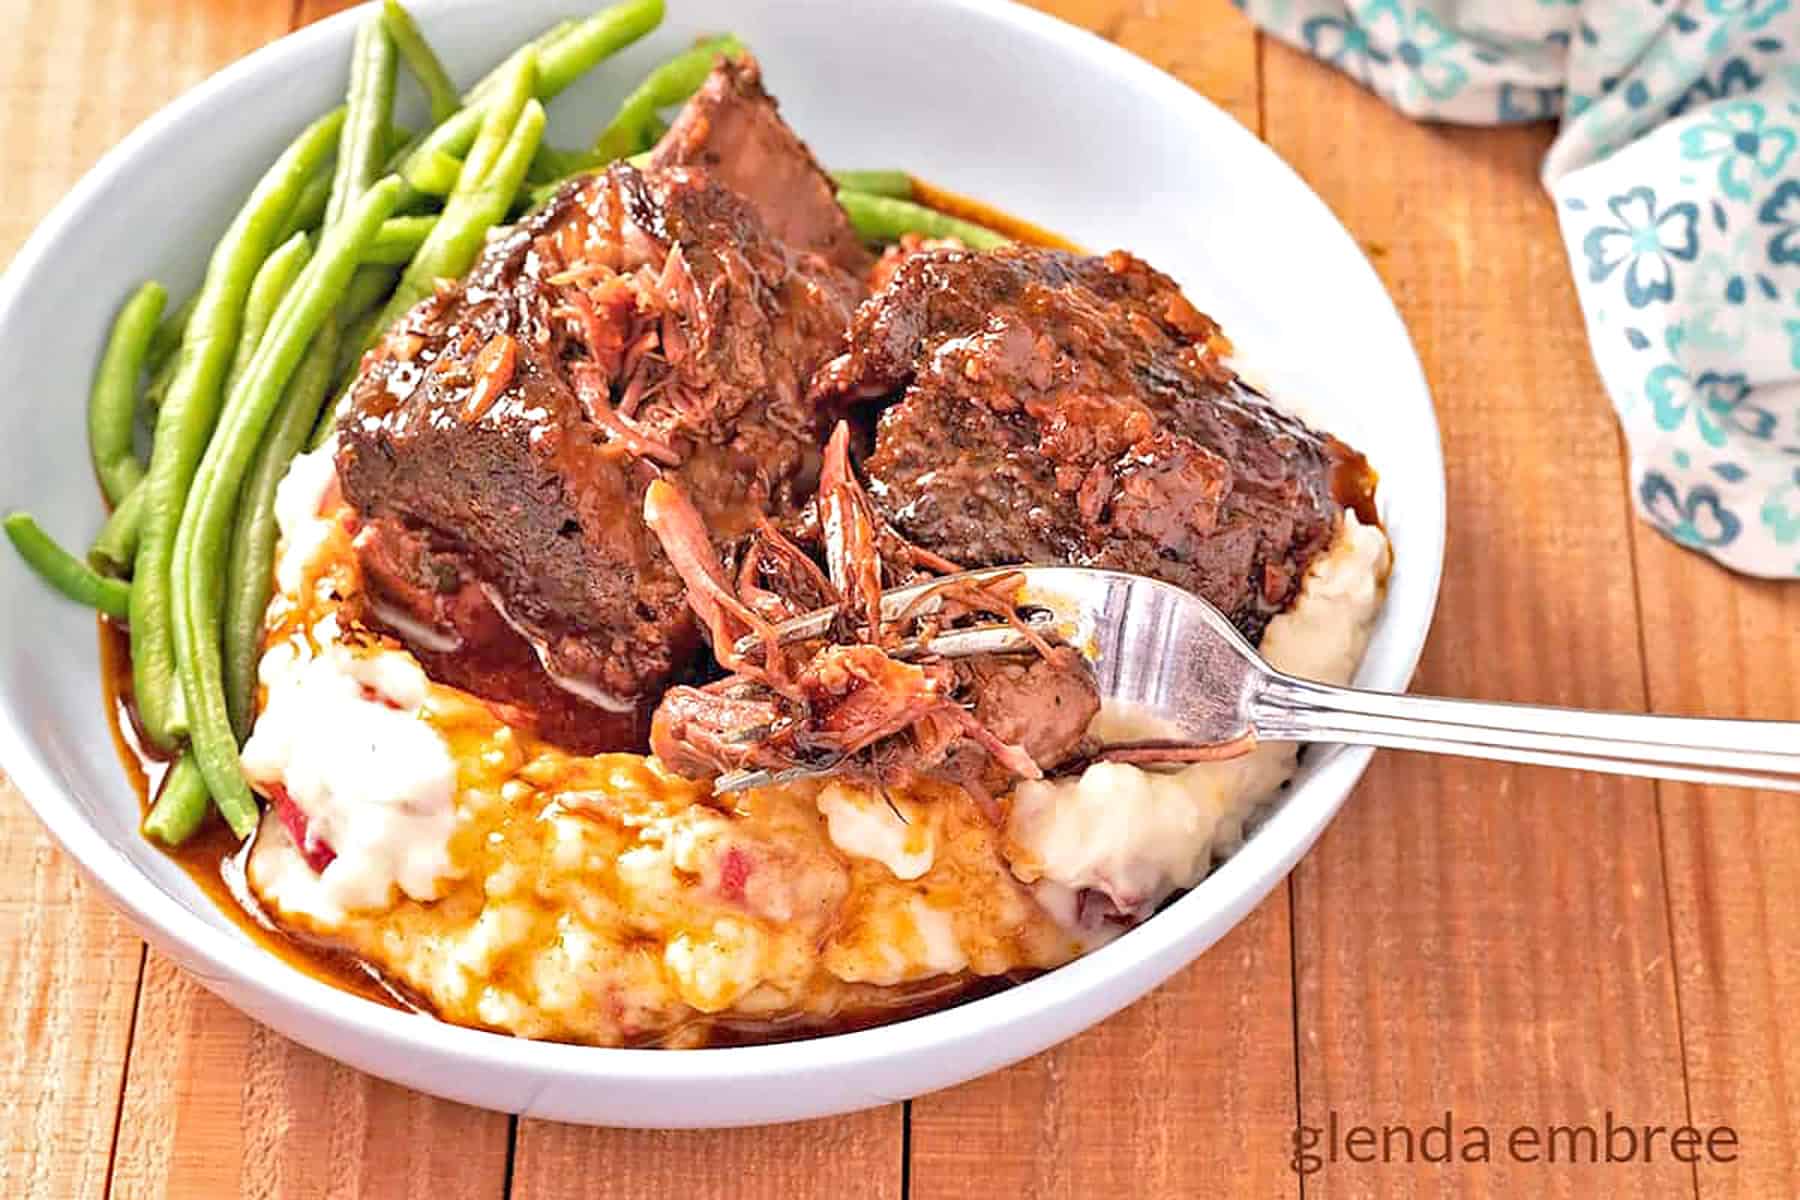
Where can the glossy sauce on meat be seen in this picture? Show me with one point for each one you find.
(1039, 406)
(676, 323)
(646, 323)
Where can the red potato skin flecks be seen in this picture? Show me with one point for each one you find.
(317, 854)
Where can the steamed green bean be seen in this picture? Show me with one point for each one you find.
(112, 405)
(370, 286)
(180, 804)
(252, 554)
(886, 219)
(398, 239)
(167, 339)
(421, 60)
(113, 551)
(897, 184)
(560, 62)
(668, 85)
(309, 207)
(201, 543)
(191, 409)
(368, 110)
(271, 283)
(63, 571)
(158, 389)
(454, 242)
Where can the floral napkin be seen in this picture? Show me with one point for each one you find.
(1676, 176)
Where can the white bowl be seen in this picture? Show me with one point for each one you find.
(1034, 115)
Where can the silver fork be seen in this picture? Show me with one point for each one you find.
(1179, 662)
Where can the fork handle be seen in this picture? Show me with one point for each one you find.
(1757, 754)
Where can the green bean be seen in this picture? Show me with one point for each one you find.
(560, 63)
(309, 208)
(158, 388)
(668, 85)
(398, 240)
(421, 60)
(189, 413)
(169, 333)
(593, 40)
(201, 543)
(479, 200)
(897, 184)
(360, 331)
(271, 283)
(553, 164)
(113, 551)
(494, 192)
(63, 571)
(432, 172)
(112, 405)
(543, 191)
(885, 219)
(252, 555)
(180, 804)
(638, 124)
(502, 114)
(371, 285)
(484, 87)
(368, 108)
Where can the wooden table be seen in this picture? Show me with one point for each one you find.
(1508, 945)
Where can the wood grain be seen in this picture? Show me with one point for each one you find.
(1513, 945)
(215, 1104)
(1488, 941)
(74, 79)
(1192, 1087)
(68, 971)
(858, 1155)
(1722, 645)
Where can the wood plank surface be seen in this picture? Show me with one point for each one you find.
(216, 1105)
(1483, 940)
(1195, 1084)
(855, 1156)
(74, 79)
(1722, 645)
(1513, 946)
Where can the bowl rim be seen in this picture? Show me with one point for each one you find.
(1165, 943)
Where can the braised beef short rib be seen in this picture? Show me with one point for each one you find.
(693, 322)
(500, 438)
(1040, 406)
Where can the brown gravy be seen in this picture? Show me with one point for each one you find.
(214, 859)
(969, 209)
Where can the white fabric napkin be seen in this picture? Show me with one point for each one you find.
(1676, 176)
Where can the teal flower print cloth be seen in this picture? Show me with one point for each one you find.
(1676, 176)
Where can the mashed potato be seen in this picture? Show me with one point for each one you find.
(1136, 835)
(600, 899)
